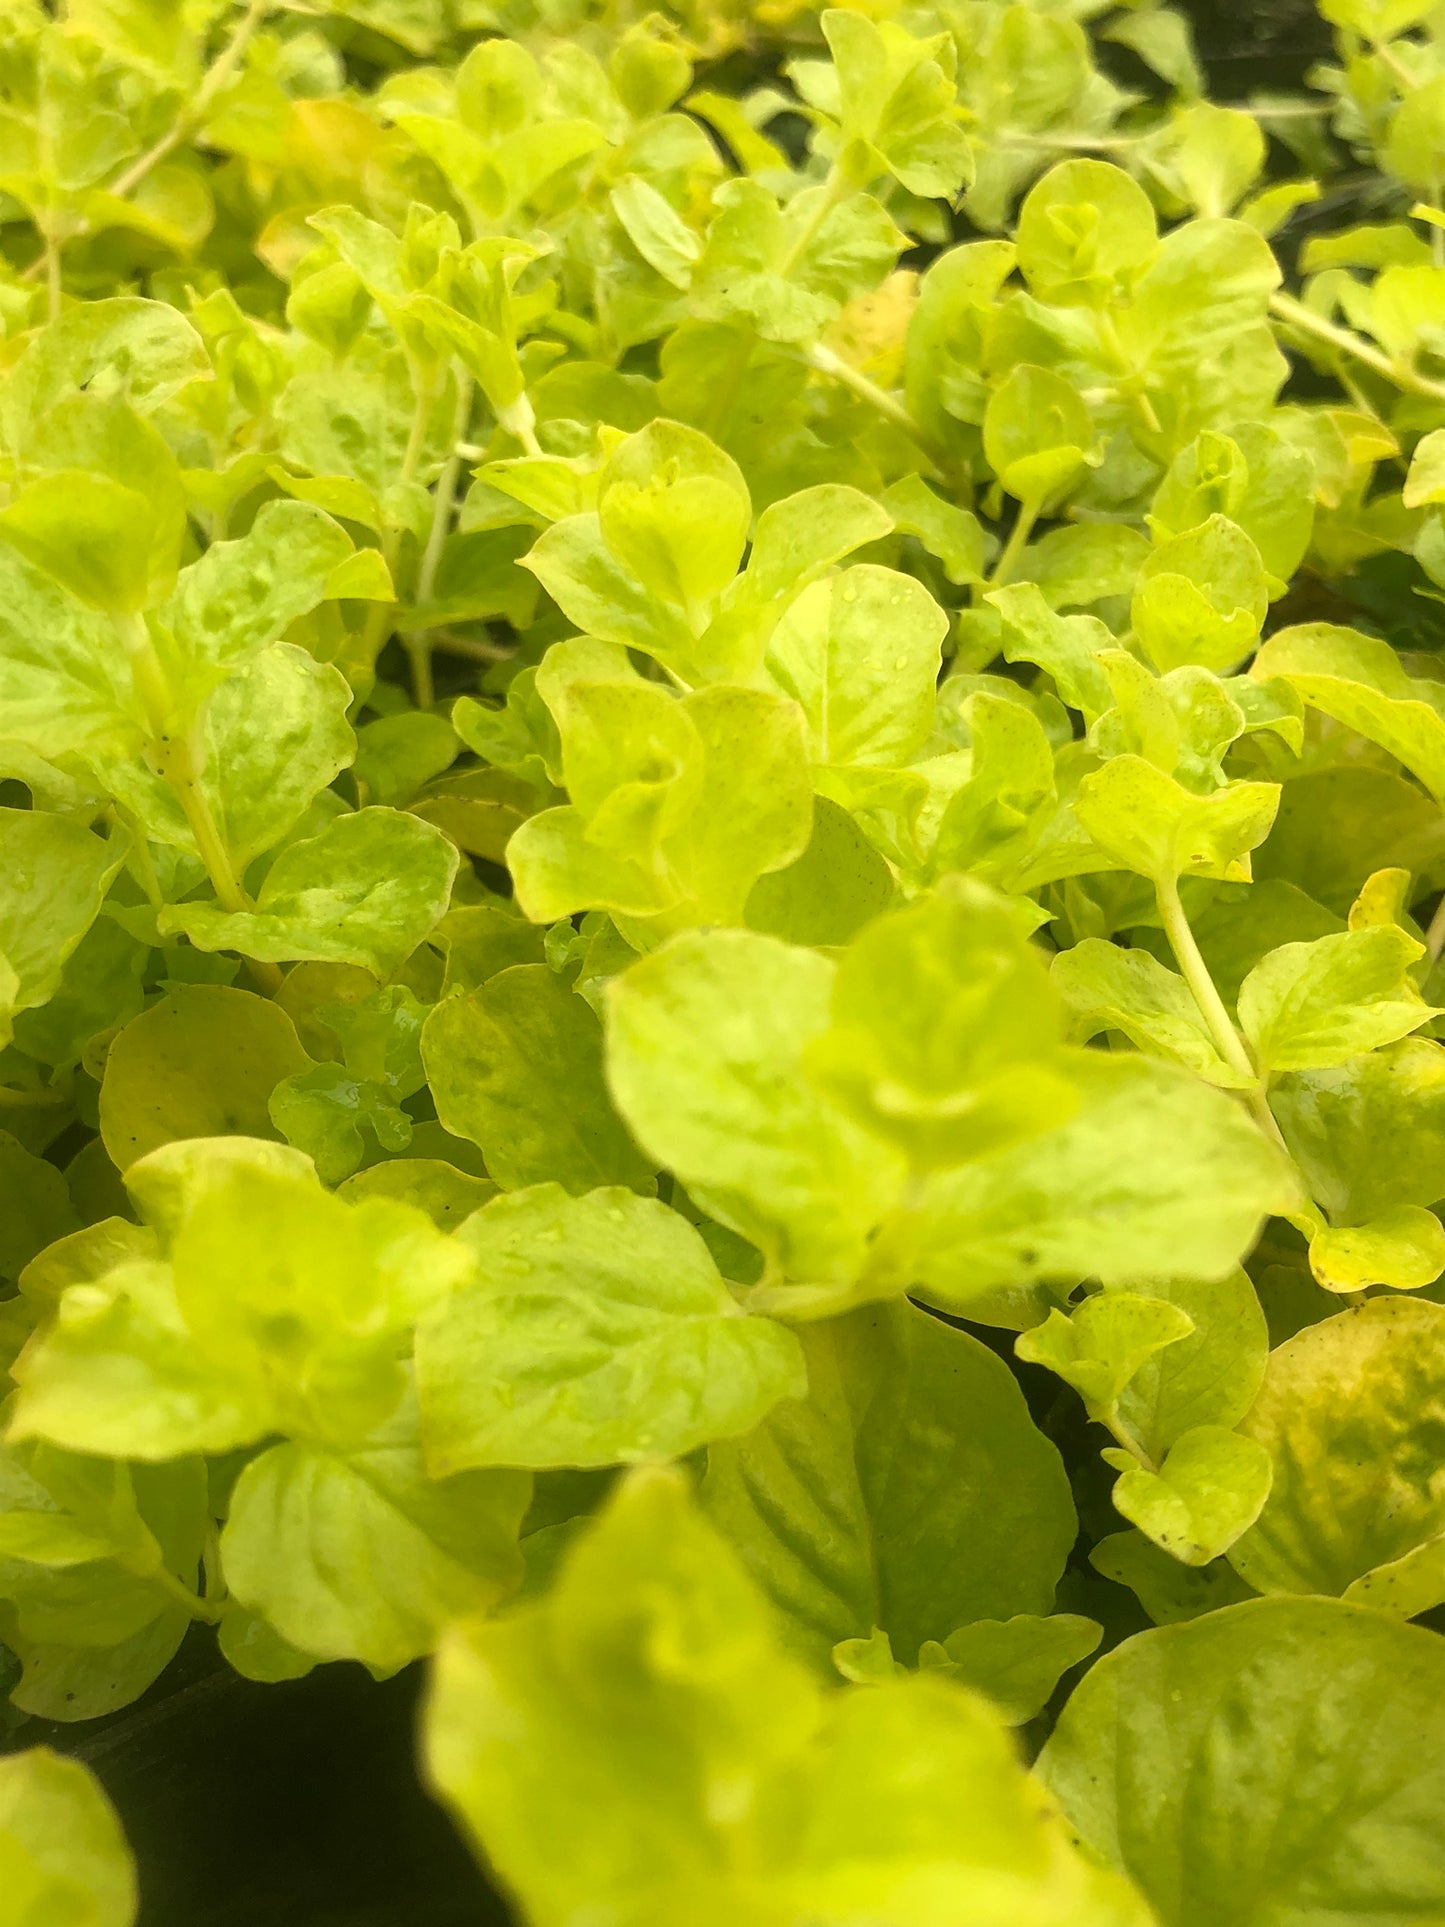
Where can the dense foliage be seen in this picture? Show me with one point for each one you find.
(721, 755)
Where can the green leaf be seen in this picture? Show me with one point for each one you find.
(62, 1852)
(81, 529)
(1308, 1005)
(1209, 1489)
(1037, 435)
(1149, 823)
(1360, 682)
(1101, 1345)
(944, 1032)
(953, 534)
(1201, 598)
(124, 348)
(1211, 1375)
(279, 1309)
(358, 1554)
(445, 1194)
(1106, 988)
(1345, 1413)
(909, 1491)
(705, 1049)
(1425, 482)
(896, 103)
(55, 877)
(597, 1331)
(1404, 1248)
(826, 895)
(1017, 1663)
(860, 652)
(37, 1207)
(1084, 228)
(1252, 476)
(242, 595)
(1156, 1176)
(516, 1067)
(1326, 1802)
(200, 1063)
(1369, 1134)
(1067, 647)
(366, 890)
(678, 807)
(652, 1668)
(1336, 827)
(1168, 1591)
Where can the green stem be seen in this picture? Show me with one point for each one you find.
(418, 642)
(836, 189)
(1228, 1042)
(1435, 935)
(174, 754)
(194, 112)
(1013, 549)
(381, 620)
(1109, 1418)
(52, 277)
(472, 647)
(1195, 973)
(827, 363)
(30, 1100)
(180, 1594)
(1299, 316)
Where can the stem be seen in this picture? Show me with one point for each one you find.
(418, 642)
(828, 363)
(835, 189)
(175, 759)
(1109, 1418)
(517, 418)
(1195, 972)
(472, 647)
(194, 112)
(180, 1594)
(52, 277)
(27, 1100)
(1022, 529)
(380, 621)
(1227, 1039)
(1130, 380)
(1395, 65)
(1435, 935)
(1299, 316)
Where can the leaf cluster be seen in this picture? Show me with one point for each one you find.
(722, 830)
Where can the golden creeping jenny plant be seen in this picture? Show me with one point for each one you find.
(720, 962)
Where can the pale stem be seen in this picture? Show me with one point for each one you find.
(52, 277)
(472, 647)
(1195, 972)
(827, 363)
(30, 1100)
(180, 1594)
(216, 76)
(517, 418)
(1227, 1039)
(418, 642)
(836, 189)
(176, 761)
(381, 621)
(1349, 343)
(1435, 935)
(1008, 559)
